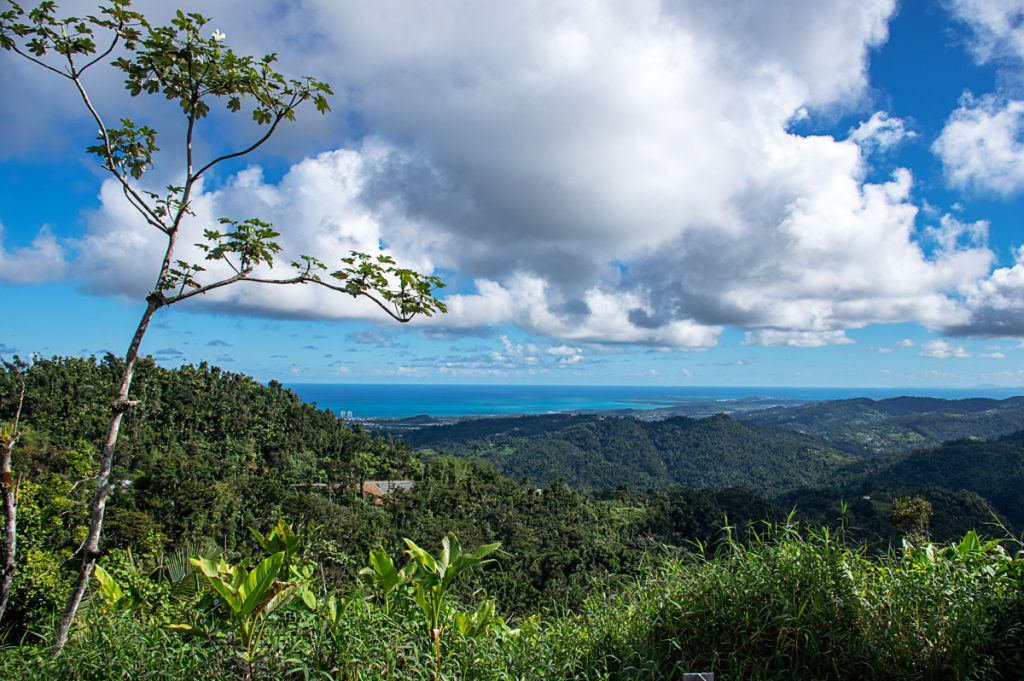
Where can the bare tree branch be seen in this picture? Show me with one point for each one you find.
(394, 311)
(140, 203)
(251, 148)
(33, 59)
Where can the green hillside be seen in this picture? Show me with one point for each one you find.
(993, 470)
(869, 428)
(592, 452)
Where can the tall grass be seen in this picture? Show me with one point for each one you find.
(792, 605)
(784, 604)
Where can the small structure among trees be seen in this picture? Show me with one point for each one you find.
(377, 490)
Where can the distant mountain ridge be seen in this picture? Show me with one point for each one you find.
(869, 428)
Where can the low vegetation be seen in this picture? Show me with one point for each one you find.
(785, 604)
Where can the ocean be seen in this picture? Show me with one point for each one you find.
(405, 400)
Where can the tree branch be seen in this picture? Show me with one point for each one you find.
(203, 289)
(253, 147)
(395, 313)
(141, 207)
(34, 60)
(103, 56)
(301, 278)
(139, 203)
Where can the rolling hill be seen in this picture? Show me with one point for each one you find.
(589, 451)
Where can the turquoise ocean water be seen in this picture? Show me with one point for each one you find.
(397, 401)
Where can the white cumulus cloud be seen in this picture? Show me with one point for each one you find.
(981, 145)
(996, 26)
(882, 132)
(996, 303)
(42, 260)
(939, 349)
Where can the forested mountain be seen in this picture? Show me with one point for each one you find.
(205, 452)
(868, 427)
(971, 483)
(993, 470)
(593, 452)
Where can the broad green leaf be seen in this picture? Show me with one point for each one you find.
(212, 572)
(112, 591)
(422, 598)
(425, 560)
(970, 543)
(259, 583)
(384, 568)
(308, 599)
(280, 598)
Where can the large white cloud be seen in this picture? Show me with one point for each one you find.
(317, 207)
(604, 171)
(996, 303)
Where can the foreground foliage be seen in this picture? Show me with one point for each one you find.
(787, 604)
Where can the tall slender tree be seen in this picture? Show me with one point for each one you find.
(9, 436)
(193, 69)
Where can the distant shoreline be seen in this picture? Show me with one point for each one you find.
(435, 404)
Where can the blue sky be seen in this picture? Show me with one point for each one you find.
(793, 193)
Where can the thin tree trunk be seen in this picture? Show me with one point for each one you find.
(91, 548)
(10, 492)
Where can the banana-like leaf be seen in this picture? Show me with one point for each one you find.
(280, 538)
(259, 584)
(383, 567)
(479, 621)
(209, 567)
(112, 591)
(969, 544)
(422, 597)
(483, 551)
(213, 573)
(420, 556)
(282, 597)
(464, 561)
(451, 550)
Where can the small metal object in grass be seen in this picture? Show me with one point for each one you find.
(699, 676)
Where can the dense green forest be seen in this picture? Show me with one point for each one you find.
(594, 452)
(874, 427)
(971, 483)
(585, 552)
